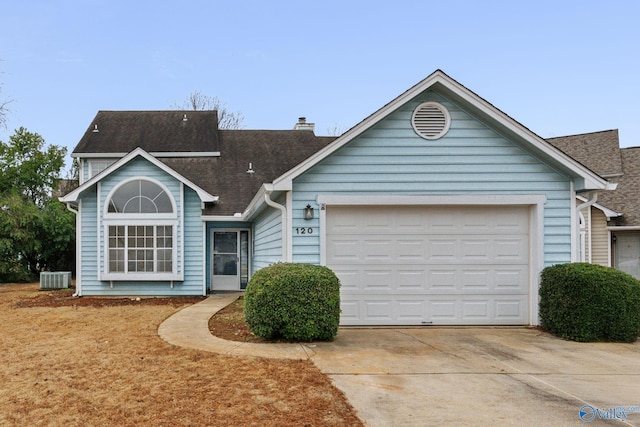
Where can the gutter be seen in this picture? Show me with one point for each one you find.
(593, 198)
(70, 208)
(283, 210)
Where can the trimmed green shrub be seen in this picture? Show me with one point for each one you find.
(296, 302)
(588, 302)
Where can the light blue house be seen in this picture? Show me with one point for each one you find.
(438, 208)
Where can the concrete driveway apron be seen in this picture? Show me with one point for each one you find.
(481, 376)
(435, 376)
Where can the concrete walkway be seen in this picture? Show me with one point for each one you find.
(190, 328)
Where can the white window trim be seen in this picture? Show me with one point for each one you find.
(141, 276)
(137, 219)
(108, 214)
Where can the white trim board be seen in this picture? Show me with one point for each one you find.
(536, 223)
(479, 199)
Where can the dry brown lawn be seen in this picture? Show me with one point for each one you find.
(84, 362)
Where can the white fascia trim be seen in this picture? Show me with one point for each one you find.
(73, 196)
(624, 228)
(254, 206)
(222, 218)
(153, 153)
(606, 211)
(450, 200)
(591, 180)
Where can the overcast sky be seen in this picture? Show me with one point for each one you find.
(557, 67)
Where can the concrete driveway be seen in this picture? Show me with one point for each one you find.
(434, 376)
(481, 376)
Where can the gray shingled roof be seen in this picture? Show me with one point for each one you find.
(626, 197)
(599, 151)
(270, 152)
(153, 131)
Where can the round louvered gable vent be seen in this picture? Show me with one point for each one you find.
(431, 120)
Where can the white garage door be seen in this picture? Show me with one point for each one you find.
(440, 265)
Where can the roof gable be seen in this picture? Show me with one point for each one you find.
(441, 83)
(138, 152)
(153, 131)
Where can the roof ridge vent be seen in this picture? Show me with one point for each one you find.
(431, 120)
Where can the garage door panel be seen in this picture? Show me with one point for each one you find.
(510, 310)
(438, 264)
(512, 279)
(490, 310)
(515, 249)
(417, 278)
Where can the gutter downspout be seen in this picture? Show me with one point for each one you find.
(75, 212)
(588, 203)
(283, 210)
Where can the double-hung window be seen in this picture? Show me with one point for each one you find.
(140, 233)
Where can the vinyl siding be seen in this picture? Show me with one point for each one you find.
(89, 237)
(471, 158)
(599, 238)
(267, 235)
(194, 268)
(188, 245)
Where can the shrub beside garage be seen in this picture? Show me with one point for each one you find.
(588, 302)
(295, 302)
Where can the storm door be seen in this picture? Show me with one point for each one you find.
(230, 259)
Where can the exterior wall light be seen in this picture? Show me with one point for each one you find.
(308, 212)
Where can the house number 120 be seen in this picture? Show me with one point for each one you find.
(304, 230)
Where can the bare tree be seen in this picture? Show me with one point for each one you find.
(336, 130)
(4, 110)
(198, 101)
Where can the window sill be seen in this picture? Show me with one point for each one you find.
(141, 277)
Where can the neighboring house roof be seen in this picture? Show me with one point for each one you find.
(626, 197)
(119, 132)
(599, 151)
(470, 101)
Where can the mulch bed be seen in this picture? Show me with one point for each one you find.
(64, 298)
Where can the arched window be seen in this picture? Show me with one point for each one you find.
(140, 231)
(140, 196)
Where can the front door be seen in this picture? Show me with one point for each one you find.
(230, 263)
(627, 253)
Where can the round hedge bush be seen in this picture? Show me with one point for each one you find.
(588, 302)
(296, 302)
